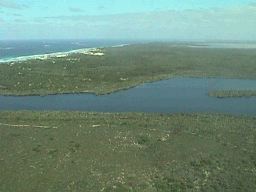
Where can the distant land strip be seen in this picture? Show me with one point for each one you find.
(106, 70)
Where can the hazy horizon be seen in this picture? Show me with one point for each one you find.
(151, 20)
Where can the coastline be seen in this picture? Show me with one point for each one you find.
(119, 69)
(88, 50)
(58, 54)
(222, 94)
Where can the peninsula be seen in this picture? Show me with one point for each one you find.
(106, 70)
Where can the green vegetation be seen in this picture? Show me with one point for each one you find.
(123, 67)
(63, 151)
(232, 93)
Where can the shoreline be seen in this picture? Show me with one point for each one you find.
(104, 74)
(137, 84)
(232, 93)
(60, 54)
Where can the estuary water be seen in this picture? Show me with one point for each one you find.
(166, 96)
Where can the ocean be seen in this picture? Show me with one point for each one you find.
(13, 49)
(10, 50)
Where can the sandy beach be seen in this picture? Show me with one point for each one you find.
(95, 51)
(89, 51)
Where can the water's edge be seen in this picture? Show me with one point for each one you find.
(175, 95)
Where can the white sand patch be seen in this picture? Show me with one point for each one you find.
(87, 51)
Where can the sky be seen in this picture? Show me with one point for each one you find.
(128, 19)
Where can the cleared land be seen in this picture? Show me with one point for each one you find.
(232, 93)
(123, 67)
(62, 151)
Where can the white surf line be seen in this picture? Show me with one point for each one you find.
(122, 45)
(35, 126)
(52, 55)
(56, 54)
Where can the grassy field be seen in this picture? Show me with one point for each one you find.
(123, 67)
(62, 151)
(232, 93)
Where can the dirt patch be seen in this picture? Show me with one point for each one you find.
(3, 87)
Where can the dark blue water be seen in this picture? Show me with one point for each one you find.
(168, 96)
(12, 49)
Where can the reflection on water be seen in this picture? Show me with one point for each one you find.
(224, 45)
(173, 95)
